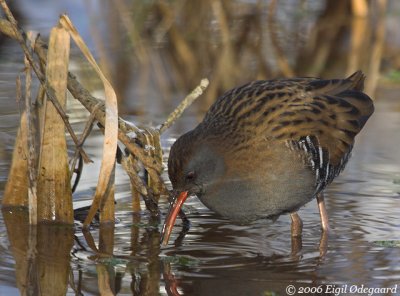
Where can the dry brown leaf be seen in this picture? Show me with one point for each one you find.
(111, 124)
(53, 182)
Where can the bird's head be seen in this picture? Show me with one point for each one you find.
(194, 165)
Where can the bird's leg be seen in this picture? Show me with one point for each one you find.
(297, 245)
(297, 224)
(297, 229)
(323, 213)
(323, 244)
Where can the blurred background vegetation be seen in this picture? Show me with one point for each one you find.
(171, 45)
(163, 48)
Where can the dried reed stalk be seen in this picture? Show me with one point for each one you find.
(54, 184)
(16, 190)
(18, 34)
(110, 126)
(151, 159)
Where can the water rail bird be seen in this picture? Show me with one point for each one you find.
(268, 147)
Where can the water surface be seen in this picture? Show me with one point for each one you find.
(216, 257)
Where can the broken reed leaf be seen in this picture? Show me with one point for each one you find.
(16, 190)
(187, 101)
(111, 123)
(54, 184)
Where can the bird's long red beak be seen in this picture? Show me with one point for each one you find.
(171, 216)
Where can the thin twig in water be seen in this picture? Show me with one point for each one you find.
(87, 130)
(85, 134)
(184, 104)
(32, 196)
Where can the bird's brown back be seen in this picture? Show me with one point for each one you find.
(320, 117)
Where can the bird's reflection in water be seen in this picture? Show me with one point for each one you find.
(212, 232)
(228, 260)
(214, 251)
(171, 283)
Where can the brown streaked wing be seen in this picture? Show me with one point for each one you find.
(334, 111)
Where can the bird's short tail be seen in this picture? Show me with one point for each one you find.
(358, 79)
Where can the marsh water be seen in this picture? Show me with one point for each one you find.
(215, 257)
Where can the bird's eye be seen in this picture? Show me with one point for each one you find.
(190, 176)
